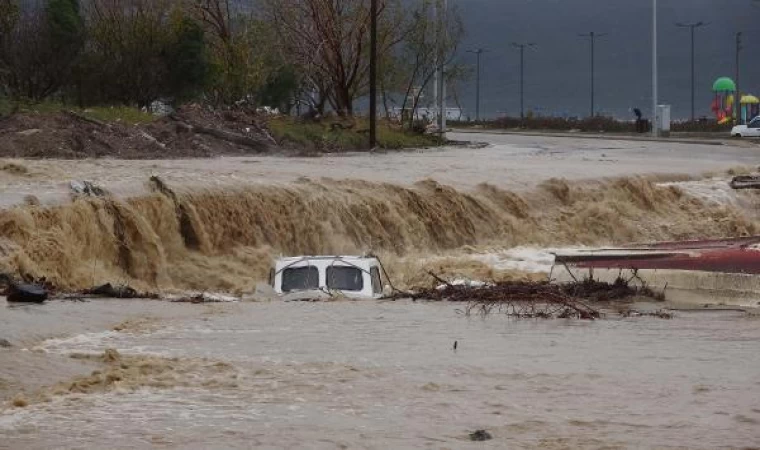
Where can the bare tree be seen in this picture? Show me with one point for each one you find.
(433, 39)
(329, 41)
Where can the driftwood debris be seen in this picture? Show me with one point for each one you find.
(235, 138)
(83, 118)
(120, 291)
(745, 182)
(542, 300)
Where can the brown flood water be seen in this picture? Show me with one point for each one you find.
(379, 375)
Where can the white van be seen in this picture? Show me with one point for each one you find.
(351, 276)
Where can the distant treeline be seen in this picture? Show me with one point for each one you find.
(279, 53)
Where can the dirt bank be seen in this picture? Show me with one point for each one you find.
(224, 239)
(192, 132)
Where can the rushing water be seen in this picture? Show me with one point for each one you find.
(385, 375)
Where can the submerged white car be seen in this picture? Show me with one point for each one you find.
(349, 276)
(752, 129)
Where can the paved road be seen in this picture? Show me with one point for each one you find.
(509, 161)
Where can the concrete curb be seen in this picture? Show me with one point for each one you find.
(607, 137)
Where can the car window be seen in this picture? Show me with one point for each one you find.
(755, 123)
(300, 278)
(345, 278)
(377, 281)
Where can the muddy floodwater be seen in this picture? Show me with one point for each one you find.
(376, 375)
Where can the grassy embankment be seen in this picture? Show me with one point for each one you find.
(329, 136)
(123, 114)
(323, 136)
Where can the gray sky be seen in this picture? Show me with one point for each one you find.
(557, 72)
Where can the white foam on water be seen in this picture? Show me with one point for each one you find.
(524, 259)
(95, 343)
(713, 190)
(80, 343)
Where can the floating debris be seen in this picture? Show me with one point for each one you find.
(120, 291)
(87, 189)
(204, 297)
(745, 182)
(660, 314)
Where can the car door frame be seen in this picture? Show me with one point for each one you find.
(753, 128)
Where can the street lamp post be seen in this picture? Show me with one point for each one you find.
(592, 37)
(477, 52)
(655, 93)
(692, 27)
(522, 48)
(738, 96)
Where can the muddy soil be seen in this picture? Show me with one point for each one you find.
(192, 132)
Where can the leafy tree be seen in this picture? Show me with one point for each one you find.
(65, 25)
(39, 47)
(187, 59)
(126, 59)
(280, 89)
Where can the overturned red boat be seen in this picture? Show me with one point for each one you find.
(734, 256)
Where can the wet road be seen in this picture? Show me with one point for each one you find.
(510, 161)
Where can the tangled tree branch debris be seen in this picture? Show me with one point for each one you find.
(541, 300)
(121, 291)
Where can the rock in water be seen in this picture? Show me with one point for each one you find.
(5, 343)
(26, 293)
(480, 435)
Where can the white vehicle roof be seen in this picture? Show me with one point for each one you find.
(365, 283)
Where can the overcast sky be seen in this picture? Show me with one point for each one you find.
(557, 72)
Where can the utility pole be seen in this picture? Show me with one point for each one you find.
(592, 37)
(522, 48)
(477, 52)
(693, 27)
(655, 87)
(443, 13)
(738, 95)
(373, 76)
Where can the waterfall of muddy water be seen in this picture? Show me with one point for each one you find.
(225, 239)
(371, 375)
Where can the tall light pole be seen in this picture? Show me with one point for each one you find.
(522, 48)
(477, 52)
(439, 83)
(373, 76)
(693, 27)
(592, 37)
(738, 95)
(655, 93)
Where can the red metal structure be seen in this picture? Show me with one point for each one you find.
(739, 256)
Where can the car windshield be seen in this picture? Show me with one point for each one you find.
(345, 278)
(300, 278)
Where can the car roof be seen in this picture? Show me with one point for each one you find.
(325, 257)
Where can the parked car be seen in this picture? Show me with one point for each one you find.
(752, 129)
